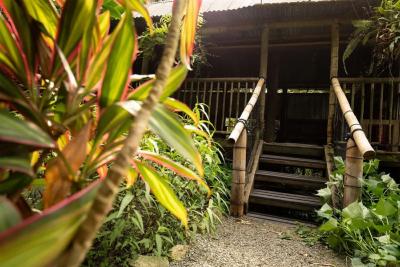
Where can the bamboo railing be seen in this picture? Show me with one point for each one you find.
(225, 98)
(376, 102)
(243, 169)
(358, 148)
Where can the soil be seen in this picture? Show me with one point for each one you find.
(255, 242)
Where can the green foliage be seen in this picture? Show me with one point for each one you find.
(383, 30)
(369, 230)
(149, 40)
(140, 225)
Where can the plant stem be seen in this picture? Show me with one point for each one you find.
(102, 204)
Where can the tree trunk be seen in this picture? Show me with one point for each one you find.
(102, 204)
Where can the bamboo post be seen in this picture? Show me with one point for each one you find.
(239, 175)
(353, 173)
(333, 73)
(263, 74)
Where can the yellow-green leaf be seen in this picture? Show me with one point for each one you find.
(119, 63)
(175, 80)
(189, 31)
(163, 192)
(177, 105)
(175, 167)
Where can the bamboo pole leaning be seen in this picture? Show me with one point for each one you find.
(356, 130)
(234, 136)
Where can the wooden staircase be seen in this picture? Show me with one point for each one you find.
(286, 181)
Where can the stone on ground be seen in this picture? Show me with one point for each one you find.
(151, 261)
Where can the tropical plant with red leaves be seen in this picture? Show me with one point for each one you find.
(65, 94)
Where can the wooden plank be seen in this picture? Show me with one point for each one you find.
(381, 113)
(294, 149)
(223, 108)
(285, 200)
(387, 80)
(315, 182)
(371, 109)
(391, 113)
(293, 161)
(217, 105)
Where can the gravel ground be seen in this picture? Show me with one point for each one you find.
(254, 242)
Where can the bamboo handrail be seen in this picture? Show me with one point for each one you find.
(246, 112)
(355, 127)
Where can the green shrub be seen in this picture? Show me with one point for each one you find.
(369, 230)
(138, 224)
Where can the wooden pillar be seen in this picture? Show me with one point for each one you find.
(239, 175)
(272, 100)
(353, 173)
(263, 74)
(333, 73)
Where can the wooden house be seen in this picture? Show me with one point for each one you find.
(275, 84)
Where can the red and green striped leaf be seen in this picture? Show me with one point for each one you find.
(75, 20)
(119, 63)
(189, 31)
(175, 167)
(40, 239)
(18, 131)
(44, 13)
(163, 192)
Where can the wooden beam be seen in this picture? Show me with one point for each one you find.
(274, 25)
(263, 74)
(333, 73)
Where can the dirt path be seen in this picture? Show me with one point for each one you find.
(252, 242)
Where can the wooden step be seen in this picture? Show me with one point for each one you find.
(315, 182)
(294, 149)
(279, 219)
(285, 200)
(293, 161)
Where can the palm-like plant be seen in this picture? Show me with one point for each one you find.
(65, 94)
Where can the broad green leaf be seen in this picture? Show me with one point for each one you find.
(385, 208)
(15, 182)
(177, 105)
(175, 167)
(174, 81)
(354, 210)
(163, 192)
(73, 23)
(165, 124)
(15, 130)
(113, 8)
(10, 55)
(188, 31)
(325, 193)
(138, 6)
(325, 211)
(119, 63)
(16, 163)
(23, 26)
(41, 239)
(9, 215)
(43, 12)
(330, 225)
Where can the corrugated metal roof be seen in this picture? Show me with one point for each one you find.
(165, 7)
